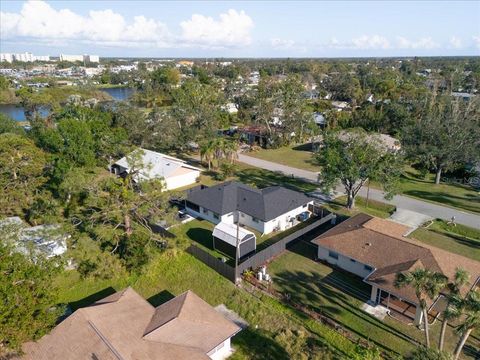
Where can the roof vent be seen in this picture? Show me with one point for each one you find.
(368, 244)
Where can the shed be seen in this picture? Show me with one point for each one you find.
(225, 239)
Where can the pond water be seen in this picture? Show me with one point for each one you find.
(119, 93)
(16, 112)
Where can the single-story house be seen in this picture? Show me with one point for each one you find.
(274, 208)
(376, 250)
(175, 173)
(225, 237)
(48, 240)
(125, 326)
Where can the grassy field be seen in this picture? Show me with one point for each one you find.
(273, 330)
(459, 239)
(299, 156)
(412, 183)
(340, 295)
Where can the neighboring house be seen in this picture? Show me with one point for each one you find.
(175, 173)
(375, 250)
(125, 326)
(46, 239)
(274, 208)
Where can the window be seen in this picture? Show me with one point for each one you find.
(205, 211)
(255, 220)
(193, 206)
(216, 216)
(368, 268)
(333, 255)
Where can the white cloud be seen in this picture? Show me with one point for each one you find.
(232, 29)
(39, 21)
(456, 42)
(476, 40)
(422, 43)
(361, 43)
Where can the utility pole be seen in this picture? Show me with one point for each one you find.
(237, 254)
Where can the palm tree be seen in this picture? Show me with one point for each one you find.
(452, 310)
(207, 152)
(471, 306)
(427, 284)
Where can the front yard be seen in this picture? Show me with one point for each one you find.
(297, 156)
(340, 295)
(459, 239)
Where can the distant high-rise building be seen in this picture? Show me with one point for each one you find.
(91, 58)
(6, 57)
(71, 58)
(23, 57)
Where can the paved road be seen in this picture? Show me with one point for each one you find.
(403, 202)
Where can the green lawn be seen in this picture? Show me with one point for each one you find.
(374, 208)
(340, 295)
(298, 156)
(273, 326)
(459, 196)
(459, 239)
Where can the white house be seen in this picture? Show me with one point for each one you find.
(274, 208)
(175, 173)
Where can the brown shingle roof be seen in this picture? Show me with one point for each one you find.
(380, 244)
(115, 328)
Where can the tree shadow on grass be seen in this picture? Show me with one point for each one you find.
(308, 147)
(444, 198)
(201, 236)
(263, 178)
(257, 345)
(322, 295)
(460, 239)
(86, 301)
(160, 298)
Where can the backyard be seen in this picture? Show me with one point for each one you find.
(412, 182)
(340, 295)
(273, 330)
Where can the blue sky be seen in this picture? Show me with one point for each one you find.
(241, 29)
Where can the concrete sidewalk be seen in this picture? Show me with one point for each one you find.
(404, 202)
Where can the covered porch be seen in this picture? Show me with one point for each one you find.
(397, 307)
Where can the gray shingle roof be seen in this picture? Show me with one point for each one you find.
(265, 204)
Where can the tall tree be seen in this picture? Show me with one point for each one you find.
(118, 212)
(354, 157)
(427, 285)
(22, 169)
(452, 310)
(472, 320)
(448, 134)
(28, 296)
